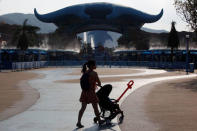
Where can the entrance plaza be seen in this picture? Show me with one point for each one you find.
(47, 99)
(158, 100)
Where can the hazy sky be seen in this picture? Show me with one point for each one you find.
(148, 6)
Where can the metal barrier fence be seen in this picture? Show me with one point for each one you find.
(18, 66)
(160, 65)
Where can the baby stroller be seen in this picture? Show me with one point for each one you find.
(110, 107)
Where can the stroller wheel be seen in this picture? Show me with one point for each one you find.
(120, 117)
(108, 122)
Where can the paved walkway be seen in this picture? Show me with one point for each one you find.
(58, 106)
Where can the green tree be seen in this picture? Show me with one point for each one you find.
(142, 44)
(124, 41)
(60, 39)
(173, 39)
(26, 36)
(134, 38)
(188, 12)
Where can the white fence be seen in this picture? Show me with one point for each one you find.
(18, 66)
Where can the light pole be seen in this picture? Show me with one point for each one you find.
(0, 51)
(187, 55)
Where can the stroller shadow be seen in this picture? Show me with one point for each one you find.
(109, 126)
(98, 128)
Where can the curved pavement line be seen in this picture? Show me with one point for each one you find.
(144, 72)
(142, 82)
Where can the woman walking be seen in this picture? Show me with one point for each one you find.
(89, 96)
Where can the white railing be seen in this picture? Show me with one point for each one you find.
(19, 66)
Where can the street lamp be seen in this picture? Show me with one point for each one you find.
(187, 55)
(0, 47)
(0, 51)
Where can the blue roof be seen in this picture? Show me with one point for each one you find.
(11, 51)
(167, 52)
(184, 52)
(35, 52)
(43, 52)
(193, 52)
(100, 15)
(147, 53)
(157, 52)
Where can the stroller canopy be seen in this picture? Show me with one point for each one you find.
(104, 91)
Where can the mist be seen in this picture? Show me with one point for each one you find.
(100, 37)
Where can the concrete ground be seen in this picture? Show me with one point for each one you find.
(58, 106)
(162, 106)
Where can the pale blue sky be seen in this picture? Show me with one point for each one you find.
(148, 6)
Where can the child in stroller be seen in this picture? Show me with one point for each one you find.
(107, 104)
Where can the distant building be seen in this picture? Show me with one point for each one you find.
(3, 44)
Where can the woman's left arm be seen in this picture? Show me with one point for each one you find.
(98, 80)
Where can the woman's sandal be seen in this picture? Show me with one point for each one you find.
(79, 125)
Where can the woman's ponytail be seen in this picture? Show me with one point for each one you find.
(88, 64)
(84, 68)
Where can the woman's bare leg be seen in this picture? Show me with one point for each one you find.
(81, 111)
(96, 111)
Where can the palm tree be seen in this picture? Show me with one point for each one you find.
(173, 39)
(26, 36)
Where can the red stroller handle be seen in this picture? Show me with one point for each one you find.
(130, 84)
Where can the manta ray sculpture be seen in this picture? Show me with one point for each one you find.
(98, 16)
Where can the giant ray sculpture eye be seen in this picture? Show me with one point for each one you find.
(98, 12)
